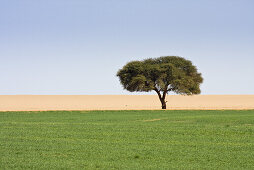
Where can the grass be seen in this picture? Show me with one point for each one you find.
(127, 140)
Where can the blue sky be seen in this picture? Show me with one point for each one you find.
(77, 46)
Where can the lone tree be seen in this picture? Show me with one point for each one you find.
(163, 74)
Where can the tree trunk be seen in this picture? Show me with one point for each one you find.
(163, 104)
(162, 98)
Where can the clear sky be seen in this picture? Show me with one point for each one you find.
(77, 46)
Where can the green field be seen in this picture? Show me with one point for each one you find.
(127, 140)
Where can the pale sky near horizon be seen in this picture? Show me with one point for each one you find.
(76, 47)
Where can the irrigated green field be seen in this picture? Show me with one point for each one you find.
(127, 140)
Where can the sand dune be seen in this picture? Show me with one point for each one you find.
(122, 102)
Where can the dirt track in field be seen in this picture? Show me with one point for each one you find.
(122, 102)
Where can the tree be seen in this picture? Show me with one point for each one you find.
(163, 75)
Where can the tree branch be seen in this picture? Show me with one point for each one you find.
(165, 92)
(170, 89)
(158, 92)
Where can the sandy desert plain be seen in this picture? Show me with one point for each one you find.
(123, 102)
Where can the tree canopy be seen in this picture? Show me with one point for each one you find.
(163, 74)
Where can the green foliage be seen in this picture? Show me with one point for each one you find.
(127, 140)
(164, 74)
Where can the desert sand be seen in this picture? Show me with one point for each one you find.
(122, 102)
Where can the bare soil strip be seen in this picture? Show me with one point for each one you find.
(152, 120)
(123, 102)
